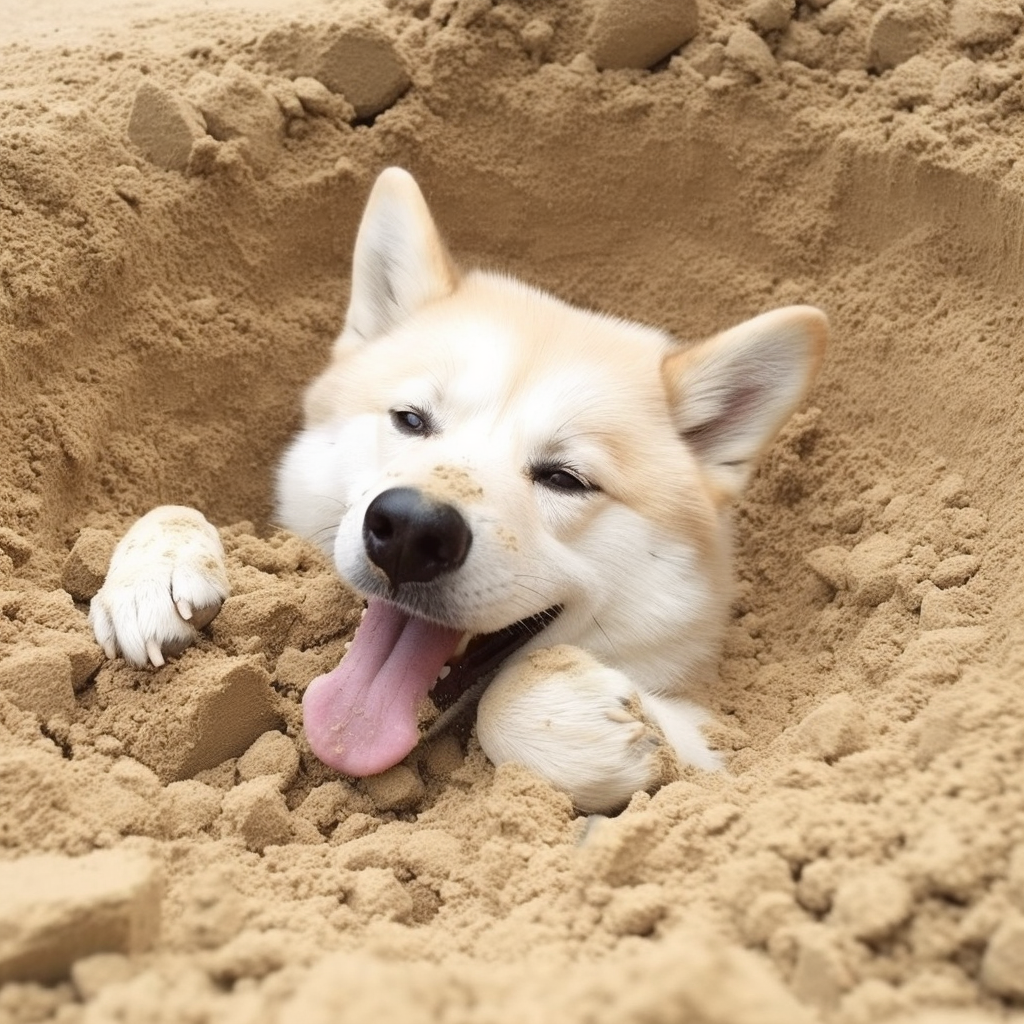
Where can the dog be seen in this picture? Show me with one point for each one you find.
(526, 493)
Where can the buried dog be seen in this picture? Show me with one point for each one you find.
(532, 493)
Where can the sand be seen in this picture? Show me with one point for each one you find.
(179, 189)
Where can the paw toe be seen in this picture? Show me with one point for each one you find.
(102, 628)
(200, 615)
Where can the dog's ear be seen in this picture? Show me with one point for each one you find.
(400, 262)
(731, 394)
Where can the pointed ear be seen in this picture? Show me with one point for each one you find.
(731, 394)
(400, 262)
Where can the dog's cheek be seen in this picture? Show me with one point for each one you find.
(568, 518)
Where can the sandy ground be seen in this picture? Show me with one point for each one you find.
(179, 189)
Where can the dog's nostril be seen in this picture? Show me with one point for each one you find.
(413, 538)
(448, 549)
(379, 525)
(430, 548)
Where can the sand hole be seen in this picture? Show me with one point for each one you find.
(862, 860)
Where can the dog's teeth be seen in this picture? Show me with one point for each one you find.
(445, 671)
(362, 614)
(463, 644)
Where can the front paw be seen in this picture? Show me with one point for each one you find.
(577, 723)
(166, 581)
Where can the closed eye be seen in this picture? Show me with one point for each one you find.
(562, 478)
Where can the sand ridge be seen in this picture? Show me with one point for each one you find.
(179, 190)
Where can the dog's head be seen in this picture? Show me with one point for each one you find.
(479, 455)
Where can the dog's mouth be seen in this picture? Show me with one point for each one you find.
(363, 717)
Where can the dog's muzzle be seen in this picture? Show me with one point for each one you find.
(412, 538)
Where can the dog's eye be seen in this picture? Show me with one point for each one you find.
(409, 421)
(558, 478)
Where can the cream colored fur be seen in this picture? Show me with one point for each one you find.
(518, 384)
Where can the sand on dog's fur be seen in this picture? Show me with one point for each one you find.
(178, 197)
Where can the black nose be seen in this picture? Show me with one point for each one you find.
(412, 538)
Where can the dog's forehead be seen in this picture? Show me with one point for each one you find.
(498, 343)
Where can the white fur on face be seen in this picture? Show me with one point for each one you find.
(511, 379)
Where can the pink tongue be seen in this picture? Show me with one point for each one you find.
(362, 718)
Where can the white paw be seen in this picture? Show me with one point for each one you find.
(574, 721)
(166, 581)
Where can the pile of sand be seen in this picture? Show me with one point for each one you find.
(178, 198)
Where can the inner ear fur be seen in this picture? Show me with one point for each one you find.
(400, 262)
(730, 394)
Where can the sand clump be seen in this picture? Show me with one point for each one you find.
(59, 910)
(179, 194)
(624, 35)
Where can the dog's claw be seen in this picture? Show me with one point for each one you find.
(639, 729)
(184, 608)
(621, 715)
(156, 656)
